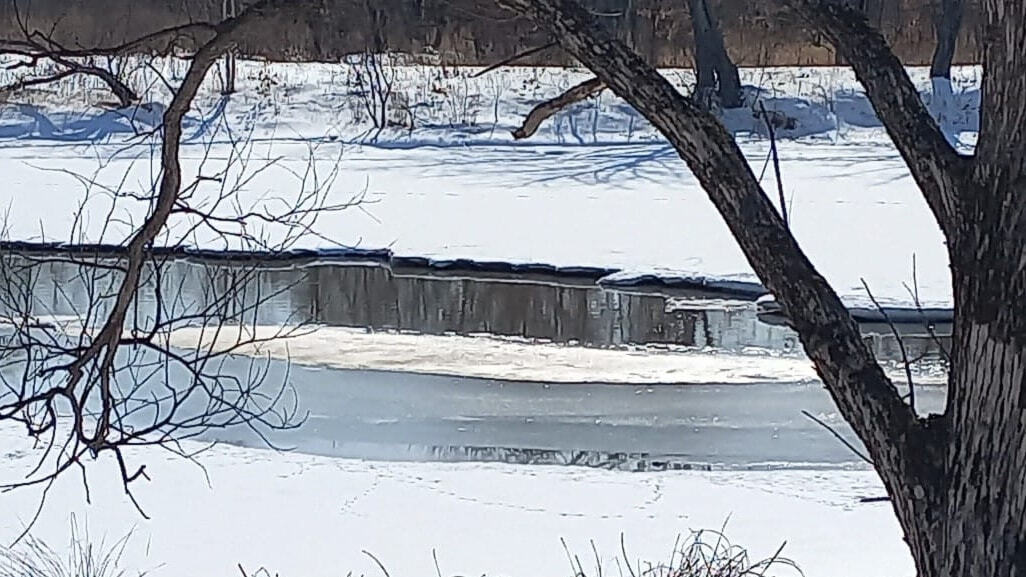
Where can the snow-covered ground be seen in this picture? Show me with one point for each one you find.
(307, 516)
(596, 186)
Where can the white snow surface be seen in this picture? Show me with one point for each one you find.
(595, 187)
(307, 516)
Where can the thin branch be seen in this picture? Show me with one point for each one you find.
(776, 164)
(838, 436)
(913, 292)
(37, 46)
(901, 345)
(159, 42)
(515, 58)
(110, 369)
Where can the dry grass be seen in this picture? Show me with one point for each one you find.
(701, 554)
(32, 557)
(705, 553)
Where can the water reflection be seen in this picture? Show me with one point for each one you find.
(372, 295)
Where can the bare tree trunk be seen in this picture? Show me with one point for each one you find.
(714, 70)
(985, 499)
(947, 23)
(229, 9)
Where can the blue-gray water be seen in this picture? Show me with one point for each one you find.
(384, 415)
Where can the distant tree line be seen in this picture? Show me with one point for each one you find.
(754, 32)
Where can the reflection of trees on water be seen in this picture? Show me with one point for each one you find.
(532, 306)
(594, 459)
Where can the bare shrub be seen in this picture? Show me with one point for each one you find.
(94, 372)
(371, 77)
(704, 553)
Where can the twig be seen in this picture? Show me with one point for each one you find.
(901, 346)
(776, 164)
(839, 437)
(914, 293)
(514, 58)
(105, 372)
(380, 566)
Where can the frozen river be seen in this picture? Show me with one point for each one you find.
(385, 415)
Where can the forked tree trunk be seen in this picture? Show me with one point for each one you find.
(715, 72)
(957, 481)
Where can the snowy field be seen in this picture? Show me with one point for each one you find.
(300, 515)
(595, 187)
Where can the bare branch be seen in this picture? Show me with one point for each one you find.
(543, 111)
(37, 46)
(901, 345)
(515, 58)
(161, 42)
(107, 376)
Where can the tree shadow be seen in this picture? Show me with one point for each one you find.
(29, 122)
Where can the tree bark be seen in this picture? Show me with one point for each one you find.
(985, 498)
(947, 23)
(957, 481)
(714, 69)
